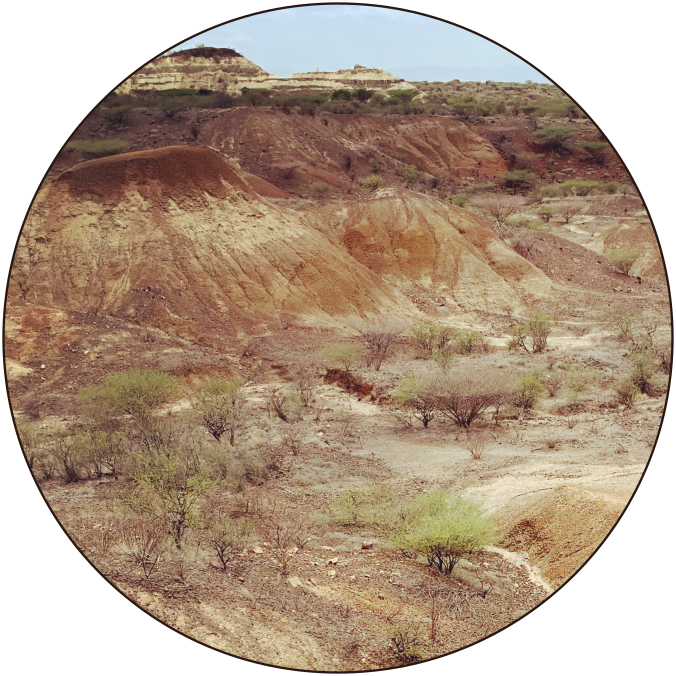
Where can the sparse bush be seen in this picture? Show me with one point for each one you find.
(552, 383)
(443, 529)
(70, 455)
(221, 408)
(94, 149)
(569, 209)
(143, 538)
(418, 394)
(226, 536)
(476, 445)
(137, 393)
(284, 405)
(527, 389)
(463, 396)
(116, 114)
(468, 342)
(499, 207)
(343, 354)
(371, 183)
(289, 532)
(531, 335)
(623, 260)
(378, 335)
(304, 379)
(460, 200)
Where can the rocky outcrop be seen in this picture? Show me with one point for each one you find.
(199, 68)
(227, 70)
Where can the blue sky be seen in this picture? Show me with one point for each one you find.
(332, 37)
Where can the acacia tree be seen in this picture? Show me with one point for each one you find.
(463, 396)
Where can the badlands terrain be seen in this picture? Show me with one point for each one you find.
(256, 326)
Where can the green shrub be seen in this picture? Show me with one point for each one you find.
(407, 643)
(93, 149)
(371, 505)
(116, 114)
(410, 174)
(532, 334)
(576, 186)
(528, 390)
(545, 213)
(341, 95)
(320, 188)
(627, 391)
(429, 338)
(442, 528)
(598, 150)
(343, 354)
(549, 191)
(137, 393)
(363, 94)
(623, 260)
(609, 188)
(460, 200)
(220, 407)
(519, 178)
(554, 137)
(371, 183)
(643, 371)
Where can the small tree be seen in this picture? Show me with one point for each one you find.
(221, 407)
(343, 354)
(545, 213)
(443, 529)
(172, 476)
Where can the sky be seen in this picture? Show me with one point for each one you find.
(333, 37)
